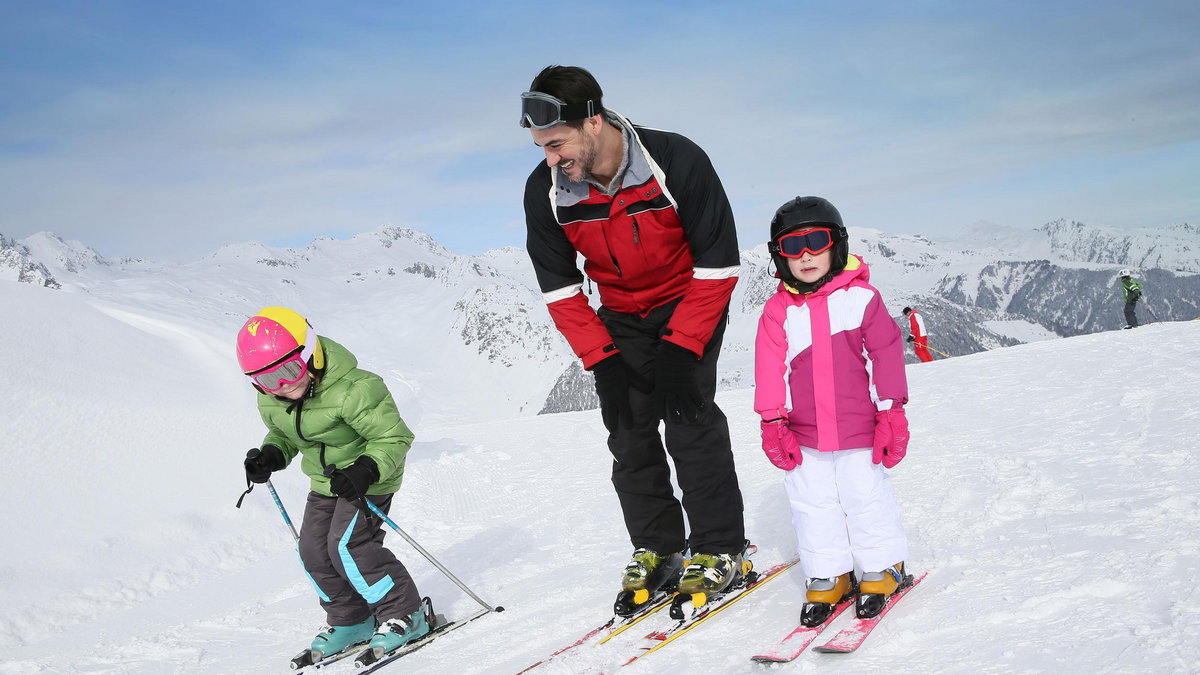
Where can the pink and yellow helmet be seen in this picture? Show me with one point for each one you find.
(273, 334)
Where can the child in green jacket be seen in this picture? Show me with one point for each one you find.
(344, 425)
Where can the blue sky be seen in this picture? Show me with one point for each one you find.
(168, 129)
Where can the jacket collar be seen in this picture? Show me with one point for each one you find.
(855, 269)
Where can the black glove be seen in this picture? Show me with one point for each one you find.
(614, 377)
(675, 387)
(353, 481)
(1137, 295)
(260, 463)
(910, 338)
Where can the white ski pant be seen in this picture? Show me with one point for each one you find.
(845, 514)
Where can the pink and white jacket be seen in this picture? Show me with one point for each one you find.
(811, 361)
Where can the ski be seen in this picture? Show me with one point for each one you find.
(368, 662)
(656, 640)
(851, 637)
(611, 628)
(794, 643)
(304, 660)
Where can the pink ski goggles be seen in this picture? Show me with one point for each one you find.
(275, 377)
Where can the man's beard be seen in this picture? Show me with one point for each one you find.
(587, 162)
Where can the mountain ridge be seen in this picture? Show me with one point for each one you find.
(482, 316)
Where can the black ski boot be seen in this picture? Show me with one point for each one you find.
(648, 575)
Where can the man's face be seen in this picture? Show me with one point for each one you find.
(572, 150)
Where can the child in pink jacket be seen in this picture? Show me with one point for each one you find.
(831, 389)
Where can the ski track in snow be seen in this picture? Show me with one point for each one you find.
(1049, 490)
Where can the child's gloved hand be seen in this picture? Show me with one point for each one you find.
(891, 437)
(780, 444)
(353, 481)
(261, 463)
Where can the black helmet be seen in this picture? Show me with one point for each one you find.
(798, 214)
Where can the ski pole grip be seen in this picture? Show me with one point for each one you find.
(253, 453)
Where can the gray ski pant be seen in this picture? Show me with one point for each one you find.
(1131, 313)
(354, 573)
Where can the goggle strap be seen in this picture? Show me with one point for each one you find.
(577, 111)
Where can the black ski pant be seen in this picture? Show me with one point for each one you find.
(701, 452)
(1131, 313)
(354, 573)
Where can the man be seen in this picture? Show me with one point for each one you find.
(648, 214)
(917, 335)
(1131, 291)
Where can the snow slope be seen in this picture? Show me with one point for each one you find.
(1050, 491)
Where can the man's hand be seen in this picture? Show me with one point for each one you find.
(614, 377)
(675, 384)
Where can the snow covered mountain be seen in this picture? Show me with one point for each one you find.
(481, 318)
(1049, 490)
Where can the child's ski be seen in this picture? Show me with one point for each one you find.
(792, 645)
(851, 637)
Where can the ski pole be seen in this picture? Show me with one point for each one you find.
(430, 558)
(940, 352)
(283, 511)
(1152, 313)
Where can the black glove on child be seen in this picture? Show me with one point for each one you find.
(261, 463)
(353, 481)
(614, 377)
(910, 338)
(675, 384)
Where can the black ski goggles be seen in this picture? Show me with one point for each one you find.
(542, 111)
(813, 240)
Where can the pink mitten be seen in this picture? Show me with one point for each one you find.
(780, 444)
(891, 437)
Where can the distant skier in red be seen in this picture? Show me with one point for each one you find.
(917, 334)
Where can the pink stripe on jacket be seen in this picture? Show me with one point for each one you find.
(810, 361)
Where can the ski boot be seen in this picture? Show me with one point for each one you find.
(395, 633)
(334, 640)
(877, 587)
(825, 594)
(648, 575)
(707, 576)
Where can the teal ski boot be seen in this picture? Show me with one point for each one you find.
(334, 640)
(395, 633)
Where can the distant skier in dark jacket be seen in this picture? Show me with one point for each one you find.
(1131, 292)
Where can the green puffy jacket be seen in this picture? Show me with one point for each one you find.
(350, 414)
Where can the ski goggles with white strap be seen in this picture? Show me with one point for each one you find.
(813, 240)
(276, 377)
(542, 111)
